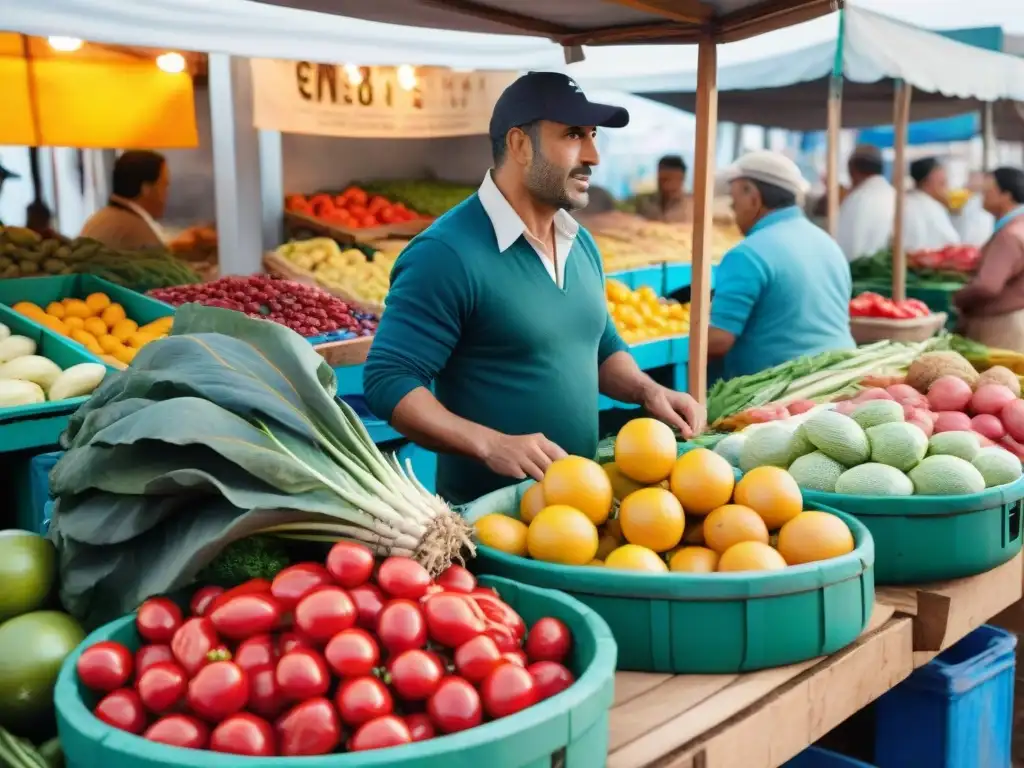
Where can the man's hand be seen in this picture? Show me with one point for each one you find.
(677, 409)
(521, 455)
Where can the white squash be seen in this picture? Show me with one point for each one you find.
(35, 368)
(14, 392)
(4, 331)
(77, 380)
(16, 346)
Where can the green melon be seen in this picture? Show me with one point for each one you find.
(875, 412)
(816, 472)
(839, 437)
(897, 444)
(874, 480)
(944, 475)
(997, 466)
(963, 445)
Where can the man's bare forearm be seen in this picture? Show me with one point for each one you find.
(420, 417)
(620, 378)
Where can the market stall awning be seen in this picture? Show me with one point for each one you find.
(791, 90)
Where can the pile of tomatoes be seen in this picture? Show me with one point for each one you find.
(349, 655)
(352, 209)
(869, 304)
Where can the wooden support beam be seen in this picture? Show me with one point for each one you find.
(835, 125)
(769, 16)
(686, 11)
(703, 214)
(511, 19)
(901, 118)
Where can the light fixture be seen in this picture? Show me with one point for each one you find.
(406, 77)
(64, 44)
(354, 74)
(171, 62)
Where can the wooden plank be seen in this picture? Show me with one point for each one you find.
(681, 710)
(946, 611)
(835, 126)
(703, 206)
(629, 685)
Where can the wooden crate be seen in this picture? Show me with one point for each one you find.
(296, 222)
(339, 354)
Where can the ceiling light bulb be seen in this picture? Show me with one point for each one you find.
(64, 44)
(171, 62)
(354, 74)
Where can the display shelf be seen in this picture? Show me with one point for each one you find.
(673, 351)
(664, 278)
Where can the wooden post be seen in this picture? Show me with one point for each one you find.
(835, 123)
(901, 116)
(988, 137)
(703, 199)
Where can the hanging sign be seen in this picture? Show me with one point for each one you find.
(373, 102)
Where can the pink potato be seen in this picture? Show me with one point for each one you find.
(988, 425)
(992, 398)
(762, 415)
(949, 393)
(799, 406)
(908, 411)
(903, 392)
(874, 393)
(1012, 417)
(925, 425)
(1012, 446)
(952, 421)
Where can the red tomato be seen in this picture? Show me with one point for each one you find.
(302, 674)
(289, 641)
(162, 686)
(243, 616)
(403, 577)
(451, 620)
(415, 674)
(500, 614)
(218, 690)
(362, 699)
(352, 653)
(549, 640)
(179, 731)
(122, 709)
(202, 599)
(105, 666)
(550, 677)
(148, 655)
(309, 728)
(296, 581)
(387, 731)
(455, 706)
(401, 626)
(255, 653)
(477, 658)
(455, 578)
(356, 195)
(507, 690)
(251, 587)
(516, 657)
(192, 643)
(505, 642)
(377, 203)
(350, 563)
(244, 734)
(420, 726)
(265, 699)
(324, 613)
(369, 602)
(158, 619)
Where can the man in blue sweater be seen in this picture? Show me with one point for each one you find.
(500, 305)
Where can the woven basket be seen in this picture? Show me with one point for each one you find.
(868, 329)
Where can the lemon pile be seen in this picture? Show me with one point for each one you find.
(641, 315)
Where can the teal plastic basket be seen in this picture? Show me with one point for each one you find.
(686, 623)
(42, 290)
(40, 424)
(569, 729)
(934, 538)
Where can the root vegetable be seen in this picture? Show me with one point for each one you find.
(952, 421)
(988, 425)
(991, 398)
(949, 393)
(1012, 417)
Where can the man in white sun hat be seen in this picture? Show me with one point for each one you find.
(784, 291)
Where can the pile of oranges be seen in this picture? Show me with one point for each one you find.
(98, 324)
(654, 511)
(641, 315)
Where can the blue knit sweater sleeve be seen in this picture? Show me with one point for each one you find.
(610, 342)
(427, 306)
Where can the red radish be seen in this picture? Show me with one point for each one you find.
(949, 393)
(875, 393)
(762, 415)
(952, 421)
(925, 425)
(800, 406)
(988, 425)
(902, 392)
(991, 398)
(1013, 447)
(1012, 417)
(908, 411)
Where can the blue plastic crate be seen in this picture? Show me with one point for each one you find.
(954, 712)
(816, 757)
(32, 510)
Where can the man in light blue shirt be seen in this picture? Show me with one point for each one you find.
(784, 291)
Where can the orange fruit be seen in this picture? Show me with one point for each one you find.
(562, 534)
(95, 326)
(652, 518)
(55, 324)
(772, 493)
(126, 354)
(109, 344)
(502, 532)
(632, 557)
(73, 323)
(55, 309)
(84, 338)
(532, 503)
(113, 314)
(139, 339)
(732, 523)
(29, 310)
(645, 450)
(702, 481)
(813, 536)
(622, 486)
(693, 560)
(750, 556)
(77, 308)
(97, 302)
(123, 329)
(580, 483)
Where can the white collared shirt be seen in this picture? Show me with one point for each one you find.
(508, 227)
(927, 224)
(143, 214)
(866, 219)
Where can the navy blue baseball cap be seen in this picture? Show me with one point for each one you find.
(551, 96)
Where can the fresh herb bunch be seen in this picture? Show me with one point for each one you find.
(254, 557)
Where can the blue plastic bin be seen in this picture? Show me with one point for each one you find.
(954, 712)
(816, 757)
(32, 511)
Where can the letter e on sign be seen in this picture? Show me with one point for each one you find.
(302, 73)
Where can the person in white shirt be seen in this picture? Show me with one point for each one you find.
(974, 224)
(866, 214)
(927, 225)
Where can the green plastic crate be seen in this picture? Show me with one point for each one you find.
(40, 424)
(570, 729)
(707, 623)
(933, 538)
(42, 290)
